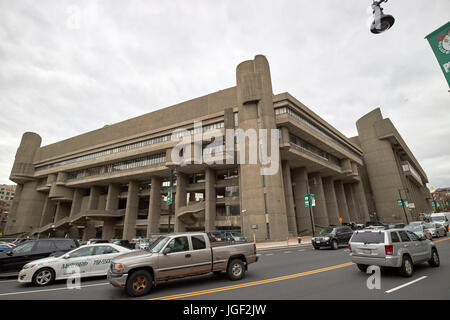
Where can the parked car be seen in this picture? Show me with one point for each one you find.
(397, 248)
(6, 245)
(216, 237)
(234, 236)
(442, 218)
(436, 229)
(94, 241)
(92, 260)
(178, 256)
(416, 223)
(397, 226)
(419, 229)
(332, 237)
(124, 243)
(12, 260)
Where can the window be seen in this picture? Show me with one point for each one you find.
(404, 236)
(82, 252)
(45, 246)
(412, 236)
(394, 237)
(179, 244)
(368, 237)
(105, 250)
(198, 242)
(24, 248)
(64, 245)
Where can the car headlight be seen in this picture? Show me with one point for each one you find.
(28, 266)
(117, 267)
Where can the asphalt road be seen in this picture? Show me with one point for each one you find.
(288, 274)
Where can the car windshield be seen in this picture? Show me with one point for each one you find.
(438, 218)
(414, 228)
(326, 231)
(429, 225)
(158, 244)
(25, 247)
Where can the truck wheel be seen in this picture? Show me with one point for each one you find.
(434, 261)
(362, 267)
(236, 269)
(407, 268)
(43, 277)
(139, 283)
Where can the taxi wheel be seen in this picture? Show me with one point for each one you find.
(43, 277)
(139, 283)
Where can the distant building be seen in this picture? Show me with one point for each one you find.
(7, 192)
(5, 207)
(441, 198)
(390, 173)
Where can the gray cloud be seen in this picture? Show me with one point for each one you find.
(129, 58)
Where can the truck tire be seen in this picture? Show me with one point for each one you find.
(235, 269)
(139, 283)
(434, 261)
(362, 267)
(407, 268)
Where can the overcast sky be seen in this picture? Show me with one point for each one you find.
(67, 67)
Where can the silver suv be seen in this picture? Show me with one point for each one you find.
(398, 248)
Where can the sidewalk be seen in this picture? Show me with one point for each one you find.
(293, 243)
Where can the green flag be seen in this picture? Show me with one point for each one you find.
(439, 41)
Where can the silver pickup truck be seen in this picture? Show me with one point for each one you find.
(178, 256)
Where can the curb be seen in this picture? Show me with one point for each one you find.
(300, 245)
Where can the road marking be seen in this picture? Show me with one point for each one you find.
(269, 254)
(437, 241)
(406, 284)
(48, 290)
(8, 281)
(301, 250)
(287, 251)
(254, 283)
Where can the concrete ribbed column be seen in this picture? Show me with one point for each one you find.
(180, 201)
(302, 213)
(350, 202)
(48, 212)
(289, 199)
(331, 201)
(320, 210)
(154, 210)
(131, 212)
(360, 202)
(341, 201)
(210, 200)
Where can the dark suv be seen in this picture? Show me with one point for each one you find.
(332, 237)
(12, 260)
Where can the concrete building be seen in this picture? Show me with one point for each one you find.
(7, 192)
(113, 182)
(390, 171)
(5, 206)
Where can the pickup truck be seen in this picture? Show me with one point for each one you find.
(177, 256)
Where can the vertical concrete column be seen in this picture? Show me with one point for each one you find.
(341, 201)
(76, 202)
(289, 198)
(210, 200)
(48, 212)
(108, 229)
(360, 202)
(62, 211)
(112, 198)
(302, 214)
(89, 229)
(154, 210)
(12, 216)
(320, 210)
(331, 201)
(129, 223)
(350, 202)
(180, 201)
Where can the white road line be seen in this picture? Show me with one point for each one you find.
(8, 281)
(287, 251)
(48, 290)
(301, 250)
(406, 284)
(269, 254)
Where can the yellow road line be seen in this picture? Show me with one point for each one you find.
(437, 241)
(254, 283)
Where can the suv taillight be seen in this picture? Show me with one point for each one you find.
(349, 247)
(389, 250)
(254, 248)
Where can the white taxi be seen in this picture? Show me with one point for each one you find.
(87, 261)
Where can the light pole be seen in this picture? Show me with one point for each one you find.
(173, 173)
(403, 204)
(381, 22)
(310, 209)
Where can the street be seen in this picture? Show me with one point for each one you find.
(286, 274)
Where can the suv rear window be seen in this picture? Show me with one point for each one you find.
(368, 237)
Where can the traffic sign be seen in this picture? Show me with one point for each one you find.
(169, 196)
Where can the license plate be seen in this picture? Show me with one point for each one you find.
(367, 251)
(317, 241)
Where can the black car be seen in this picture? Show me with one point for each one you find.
(12, 260)
(123, 243)
(332, 237)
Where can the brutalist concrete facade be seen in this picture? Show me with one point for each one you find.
(113, 182)
(390, 172)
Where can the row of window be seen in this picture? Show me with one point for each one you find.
(119, 166)
(307, 122)
(136, 145)
(314, 150)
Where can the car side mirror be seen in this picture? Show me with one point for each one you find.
(167, 250)
(9, 252)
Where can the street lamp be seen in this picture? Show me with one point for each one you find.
(382, 22)
(173, 173)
